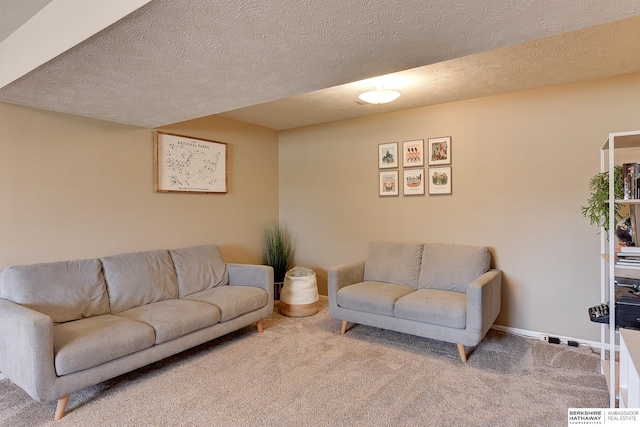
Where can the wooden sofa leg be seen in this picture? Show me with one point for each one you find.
(260, 328)
(343, 329)
(61, 407)
(463, 354)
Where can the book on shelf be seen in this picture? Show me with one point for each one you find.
(631, 181)
(629, 250)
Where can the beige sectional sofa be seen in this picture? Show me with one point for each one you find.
(441, 291)
(68, 325)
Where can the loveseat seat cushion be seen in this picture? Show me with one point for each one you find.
(90, 342)
(372, 297)
(434, 306)
(452, 267)
(64, 291)
(233, 301)
(171, 319)
(139, 278)
(393, 262)
(199, 268)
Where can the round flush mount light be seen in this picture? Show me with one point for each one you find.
(379, 96)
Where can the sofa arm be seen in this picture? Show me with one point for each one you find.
(260, 276)
(344, 275)
(26, 349)
(484, 298)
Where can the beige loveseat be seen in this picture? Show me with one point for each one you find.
(68, 325)
(446, 292)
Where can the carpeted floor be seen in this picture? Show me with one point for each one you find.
(302, 372)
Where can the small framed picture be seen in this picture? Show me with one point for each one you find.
(440, 151)
(413, 153)
(388, 183)
(440, 180)
(388, 155)
(413, 182)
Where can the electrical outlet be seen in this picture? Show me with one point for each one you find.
(544, 338)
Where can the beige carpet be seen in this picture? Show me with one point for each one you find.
(302, 372)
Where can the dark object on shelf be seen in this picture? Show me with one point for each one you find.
(627, 308)
(624, 231)
(599, 313)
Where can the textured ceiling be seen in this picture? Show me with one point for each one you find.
(285, 64)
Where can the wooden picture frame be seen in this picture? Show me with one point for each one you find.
(440, 151)
(440, 180)
(413, 153)
(189, 165)
(413, 182)
(388, 183)
(388, 155)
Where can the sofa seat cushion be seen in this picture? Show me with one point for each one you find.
(85, 343)
(434, 306)
(372, 297)
(233, 301)
(171, 319)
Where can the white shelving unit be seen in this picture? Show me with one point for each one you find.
(610, 368)
(629, 366)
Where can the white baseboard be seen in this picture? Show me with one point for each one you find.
(2, 376)
(536, 335)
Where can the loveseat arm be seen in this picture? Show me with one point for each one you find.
(26, 349)
(260, 276)
(344, 275)
(484, 299)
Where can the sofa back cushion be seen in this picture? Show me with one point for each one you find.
(139, 278)
(452, 267)
(64, 291)
(199, 268)
(393, 262)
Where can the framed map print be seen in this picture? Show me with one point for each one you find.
(185, 164)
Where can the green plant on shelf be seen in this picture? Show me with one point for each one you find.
(597, 209)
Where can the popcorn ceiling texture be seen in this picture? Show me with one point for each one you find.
(176, 60)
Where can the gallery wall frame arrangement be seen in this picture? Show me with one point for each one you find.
(414, 176)
(189, 165)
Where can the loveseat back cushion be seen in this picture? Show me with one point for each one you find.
(64, 291)
(139, 278)
(393, 262)
(199, 268)
(452, 267)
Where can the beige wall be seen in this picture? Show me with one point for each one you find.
(78, 188)
(521, 167)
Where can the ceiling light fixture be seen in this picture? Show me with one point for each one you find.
(379, 96)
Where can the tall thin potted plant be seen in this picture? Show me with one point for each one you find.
(277, 251)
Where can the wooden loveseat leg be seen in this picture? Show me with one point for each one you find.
(61, 407)
(260, 328)
(463, 354)
(343, 329)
